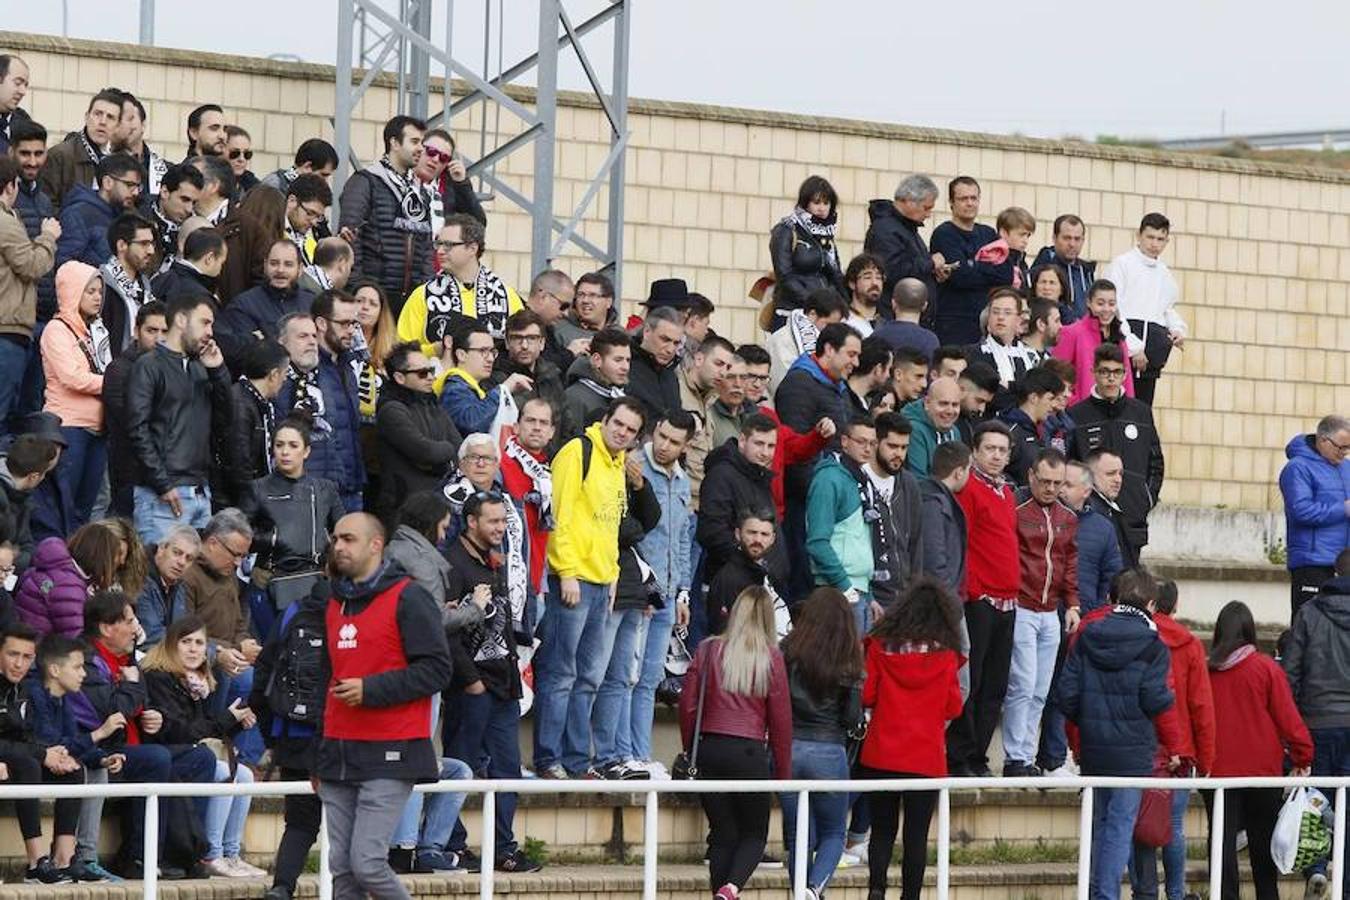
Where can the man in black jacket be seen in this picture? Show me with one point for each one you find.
(389, 663)
(893, 236)
(178, 394)
(944, 520)
(14, 75)
(593, 381)
(126, 277)
(526, 337)
(253, 315)
(755, 538)
(900, 559)
(23, 467)
(1109, 420)
(739, 476)
(416, 443)
(195, 274)
(245, 450)
(656, 349)
(1108, 477)
(149, 329)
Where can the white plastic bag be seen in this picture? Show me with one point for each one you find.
(1301, 836)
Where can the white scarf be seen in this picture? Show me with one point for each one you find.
(541, 481)
(413, 199)
(458, 490)
(1006, 358)
(804, 332)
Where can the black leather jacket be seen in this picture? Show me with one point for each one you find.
(801, 264)
(292, 518)
(173, 406)
(826, 719)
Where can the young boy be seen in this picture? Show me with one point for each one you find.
(1015, 228)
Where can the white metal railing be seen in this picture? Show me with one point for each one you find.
(803, 789)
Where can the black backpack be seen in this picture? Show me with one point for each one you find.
(295, 691)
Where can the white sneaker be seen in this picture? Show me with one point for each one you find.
(858, 851)
(657, 770)
(847, 860)
(1065, 771)
(220, 868)
(245, 869)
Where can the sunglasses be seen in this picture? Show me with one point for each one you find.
(438, 155)
(236, 153)
(425, 371)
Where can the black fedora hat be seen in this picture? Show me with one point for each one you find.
(672, 292)
(46, 425)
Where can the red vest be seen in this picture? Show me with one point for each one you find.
(365, 644)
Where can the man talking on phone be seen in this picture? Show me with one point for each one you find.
(441, 169)
(389, 663)
(177, 394)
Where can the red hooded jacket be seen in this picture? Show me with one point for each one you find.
(1255, 713)
(1189, 680)
(913, 693)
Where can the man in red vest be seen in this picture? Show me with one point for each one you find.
(389, 664)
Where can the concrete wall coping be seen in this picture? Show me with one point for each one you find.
(1200, 570)
(20, 41)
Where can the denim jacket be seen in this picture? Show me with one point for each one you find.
(666, 547)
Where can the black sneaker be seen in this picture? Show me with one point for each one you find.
(44, 872)
(768, 861)
(981, 771)
(517, 862)
(402, 860)
(1014, 769)
(468, 860)
(430, 861)
(277, 892)
(89, 872)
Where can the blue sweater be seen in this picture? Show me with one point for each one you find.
(966, 290)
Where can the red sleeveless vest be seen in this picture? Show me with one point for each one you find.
(363, 644)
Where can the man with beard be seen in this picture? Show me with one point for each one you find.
(254, 314)
(865, 277)
(88, 212)
(1043, 327)
(150, 327)
(75, 160)
(126, 279)
(979, 386)
(739, 478)
(28, 147)
(525, 340)
(526, 475)
(899, 553)
(307, 200)
(730, 406)
(749, 565)
(177, 393)
(175, 200)
(840, 511)
(206, 131)
(129, 138)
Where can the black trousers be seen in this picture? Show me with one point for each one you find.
(1255, 811)
(738, 823)
(1304, 584)
(918, 808)
(28, 770)
(302, 813)
(991, 641)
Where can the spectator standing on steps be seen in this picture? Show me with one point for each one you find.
(1148, 296)
(23, 261)
(893, 237)
(1315, 483)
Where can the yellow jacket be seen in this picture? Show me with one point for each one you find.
(585, 539)
(439, 304)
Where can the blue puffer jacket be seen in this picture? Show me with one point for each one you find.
(336, 450)
(1113, 685)
(1315, 491)
(85, 217)
(1099, 558)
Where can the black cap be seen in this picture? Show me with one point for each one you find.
(46, 425)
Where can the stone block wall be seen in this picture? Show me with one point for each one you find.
(1262, 252)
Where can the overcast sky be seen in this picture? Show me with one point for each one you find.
(1036, 67)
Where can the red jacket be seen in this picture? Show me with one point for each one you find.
(1255, 713)
(1189, 680)
(736, 715)
(913, 694)
(793, 448)
(1047, 546)
(992, 565)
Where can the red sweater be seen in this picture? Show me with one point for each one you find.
(913, 694)
(1189, 680)
(793, 448)
(1255, 713)
(992, 565)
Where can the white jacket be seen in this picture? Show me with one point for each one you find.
(1146, 290)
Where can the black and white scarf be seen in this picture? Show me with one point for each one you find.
(168, 237)
(220, 213)
(1012, 360)
(445, 303)
(822, 230)
(269, 419)
(94, 153)
(413, 200)
(458, 490)
(300, 239)
(155, 170)
(541, 481)
(308, 398)
(804, 332)
(608, 391)
(134, 291)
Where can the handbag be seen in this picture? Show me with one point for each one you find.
(1153, 824)
(685, 766)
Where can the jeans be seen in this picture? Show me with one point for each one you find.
(609, 721)
(248, 743)
(1144, 863)
(1331, 756)
(1054, 750)
(862, 614)
(483, 731)
(1113, 814)
(406, 831)
(80, 471)
(828, 811)
(569, 667)
(154, 518)
(223, 817)
(636, 720)
(991, 639)
(13, 365)
(361, 818)
(442, 809)
(1035, 643)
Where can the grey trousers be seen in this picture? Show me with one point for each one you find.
(91, 813)
(361, 820)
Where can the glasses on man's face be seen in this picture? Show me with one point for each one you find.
(524, 338)
(1111, 373)
(479, 459)
(563, 305)
(143, 242)
(236, 555)
(756, 379)
(236, 153)
(424, 372)
(131, 183)
(343, 324)
(487, 352)
(312, 212)
(1344, 448)
(450, 245)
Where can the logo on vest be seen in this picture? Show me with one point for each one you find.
(347, 637)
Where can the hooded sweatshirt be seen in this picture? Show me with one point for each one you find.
(587, 510)
(1189, 681)
(913, 693)
(1254, 712)
(925, 438)
(838, 536)
(1315, 492)
(75, 353)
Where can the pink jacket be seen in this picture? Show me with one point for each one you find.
(1077, 343)
(74, 389)
(996, 252)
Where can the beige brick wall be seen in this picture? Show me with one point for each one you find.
(1262, 252)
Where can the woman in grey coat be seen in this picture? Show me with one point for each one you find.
(423, 520)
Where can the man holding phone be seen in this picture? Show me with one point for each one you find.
(963, 294)
(441, 169)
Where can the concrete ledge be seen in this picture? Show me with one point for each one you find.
(1201, 570)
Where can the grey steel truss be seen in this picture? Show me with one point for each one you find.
(401, 43)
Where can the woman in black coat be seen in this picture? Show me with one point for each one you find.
(802, 247)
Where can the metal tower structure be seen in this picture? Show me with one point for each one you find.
(400, 43)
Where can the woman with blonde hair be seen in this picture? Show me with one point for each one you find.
(178, 680)
(735, 708)
(374, 339)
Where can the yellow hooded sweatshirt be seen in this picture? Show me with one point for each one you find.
(585, 539)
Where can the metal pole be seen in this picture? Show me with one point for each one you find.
(546, 110)
(1216, 846)
(488, 849)
(450, 49)
(650, 825)
(420, 97)
(944, 847)
(150, 849)
(325, 869)
(619, 103)
(342, 101)
(148, 23)
(1338, 845)
(801, 845)
(1085, 844)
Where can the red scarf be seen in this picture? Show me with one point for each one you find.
(115, 662)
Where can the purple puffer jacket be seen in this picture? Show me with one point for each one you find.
(52, 591)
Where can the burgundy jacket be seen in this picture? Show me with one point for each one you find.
(1047, 544)
(736, 715)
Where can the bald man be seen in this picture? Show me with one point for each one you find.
(934, 419)
(389, 663)
(908, 302)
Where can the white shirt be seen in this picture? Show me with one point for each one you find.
(860, 325)
(1145, 290)
(885, 485)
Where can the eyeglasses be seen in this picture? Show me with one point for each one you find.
(1344, 448)
(563, 305)
(479, 459)
(237, 555)
(524, 338)
(1111, 373)
(757, 379)
(488, 352)
(127, 182)
(437, 155)
(143, 242)
(424, 372)
(450, 245)
(312, 212)
(343, 323)
(236, 153)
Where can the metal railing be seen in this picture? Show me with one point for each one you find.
(803, 789)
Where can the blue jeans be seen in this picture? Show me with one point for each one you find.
(1144, 863)
(1113, 814)
(442, 812)
(405, 833)
(862, 613)
(636, 719)
(613, 702)
(1035, 643)
(13, 364)
(1331, 756)
(249, 742)
(829, 812)
(483, 731)
(223, 817)
(569, 667)
(154, 518)
(81, 470)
